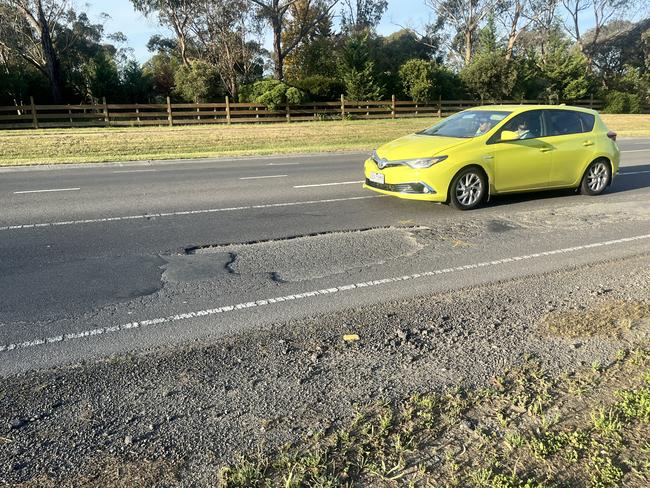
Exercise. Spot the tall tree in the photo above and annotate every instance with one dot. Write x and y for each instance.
(176, 14)
(465, 17)
(29, 28)
(277, 14)
(359, 15)
(596, 14)
(226, 33)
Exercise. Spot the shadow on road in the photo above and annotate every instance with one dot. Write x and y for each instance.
(639, 177)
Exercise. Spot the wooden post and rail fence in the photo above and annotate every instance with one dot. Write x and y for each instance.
(104, 114)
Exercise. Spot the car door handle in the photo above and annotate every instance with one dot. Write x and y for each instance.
(487, 158)
(588, 143)
(546, 149)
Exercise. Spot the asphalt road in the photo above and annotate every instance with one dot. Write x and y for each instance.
(104, 259)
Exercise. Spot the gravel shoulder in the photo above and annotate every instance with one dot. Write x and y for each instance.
(177, 416)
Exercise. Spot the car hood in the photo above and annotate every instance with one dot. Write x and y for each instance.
(418, 146)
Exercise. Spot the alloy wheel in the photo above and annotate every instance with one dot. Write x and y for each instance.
(468, 189)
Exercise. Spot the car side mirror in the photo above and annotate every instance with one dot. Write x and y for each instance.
(508, 135)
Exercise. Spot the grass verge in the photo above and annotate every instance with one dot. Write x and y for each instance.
(528, 429)
(52, 146)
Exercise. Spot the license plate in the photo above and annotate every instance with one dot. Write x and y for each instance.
(377, 177)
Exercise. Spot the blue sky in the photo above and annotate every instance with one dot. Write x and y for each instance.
(139, 29)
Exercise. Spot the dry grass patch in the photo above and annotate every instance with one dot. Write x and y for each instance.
(608, 319)
(111, 472)
(51, 146)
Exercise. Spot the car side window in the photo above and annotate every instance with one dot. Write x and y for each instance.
(564, 122)
(527, 125)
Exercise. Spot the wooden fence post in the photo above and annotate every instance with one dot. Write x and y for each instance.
(591, 101)
(34, 117)
(342, 107)
(107, 121)
(439, 106)
(170, 118)
(227, 110)
(392, 107)
(288, 109)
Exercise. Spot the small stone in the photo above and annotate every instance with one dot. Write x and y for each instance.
(17, 423)
(402, 334)
(128, 440)
(351, 338)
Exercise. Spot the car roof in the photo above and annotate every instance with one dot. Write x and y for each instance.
(524, 108)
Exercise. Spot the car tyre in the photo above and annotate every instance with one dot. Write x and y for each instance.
(468, 189)
(597, 178)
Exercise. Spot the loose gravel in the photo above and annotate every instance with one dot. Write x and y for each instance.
(188, 411)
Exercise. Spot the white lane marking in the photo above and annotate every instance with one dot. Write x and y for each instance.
(185, 212)
(636, 150)
(262, 177)
(282, 164)
(633, 173)
(22, 192)
(300, 296)
(134, 171)
(329, 184)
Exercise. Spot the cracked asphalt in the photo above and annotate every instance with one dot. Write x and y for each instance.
(184, 314)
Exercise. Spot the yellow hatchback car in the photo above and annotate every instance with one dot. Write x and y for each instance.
(493, 150)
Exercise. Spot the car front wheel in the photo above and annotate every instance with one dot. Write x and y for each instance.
(468, 189)
(597, 177)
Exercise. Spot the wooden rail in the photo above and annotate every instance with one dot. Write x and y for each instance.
(34, 116)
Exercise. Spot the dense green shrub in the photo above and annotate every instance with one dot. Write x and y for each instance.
(272, 94)
(321, 87)
(197, 82)
(490, 76)
(617, 102)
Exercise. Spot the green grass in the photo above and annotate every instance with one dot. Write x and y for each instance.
(50, 146)
(529, 429)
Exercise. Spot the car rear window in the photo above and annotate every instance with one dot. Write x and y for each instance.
(562, 122)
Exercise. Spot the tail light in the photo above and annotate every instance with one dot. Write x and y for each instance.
(612, 135)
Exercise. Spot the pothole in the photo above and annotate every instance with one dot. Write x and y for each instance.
(305, 257)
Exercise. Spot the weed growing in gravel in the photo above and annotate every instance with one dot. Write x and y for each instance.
(528, 430)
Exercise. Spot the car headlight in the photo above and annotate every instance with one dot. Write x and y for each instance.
(424, 162)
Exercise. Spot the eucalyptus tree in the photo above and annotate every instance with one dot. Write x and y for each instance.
(175, 14)
(359, 15)
(465, 17)
(277, 14)
(227, 34)
(31, 30)
(592, 15)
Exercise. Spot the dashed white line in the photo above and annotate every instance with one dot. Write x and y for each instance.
(262, 177)
(184, 212)
(636, 150)
(45, 191)
(299, 296)
(633, 173)
(135, 171)
(282, 164)
(330, 184)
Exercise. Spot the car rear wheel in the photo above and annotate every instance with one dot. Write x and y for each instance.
(468, 189)
(597, 177)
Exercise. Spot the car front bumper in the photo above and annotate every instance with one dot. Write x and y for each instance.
(403, 182)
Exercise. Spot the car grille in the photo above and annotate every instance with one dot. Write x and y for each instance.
(413, 188)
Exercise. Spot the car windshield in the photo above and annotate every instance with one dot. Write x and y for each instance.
(470, 123)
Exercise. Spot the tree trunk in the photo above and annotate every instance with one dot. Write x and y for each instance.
(468, 46)
(52, 66)
(513, 34)
(277, 48)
